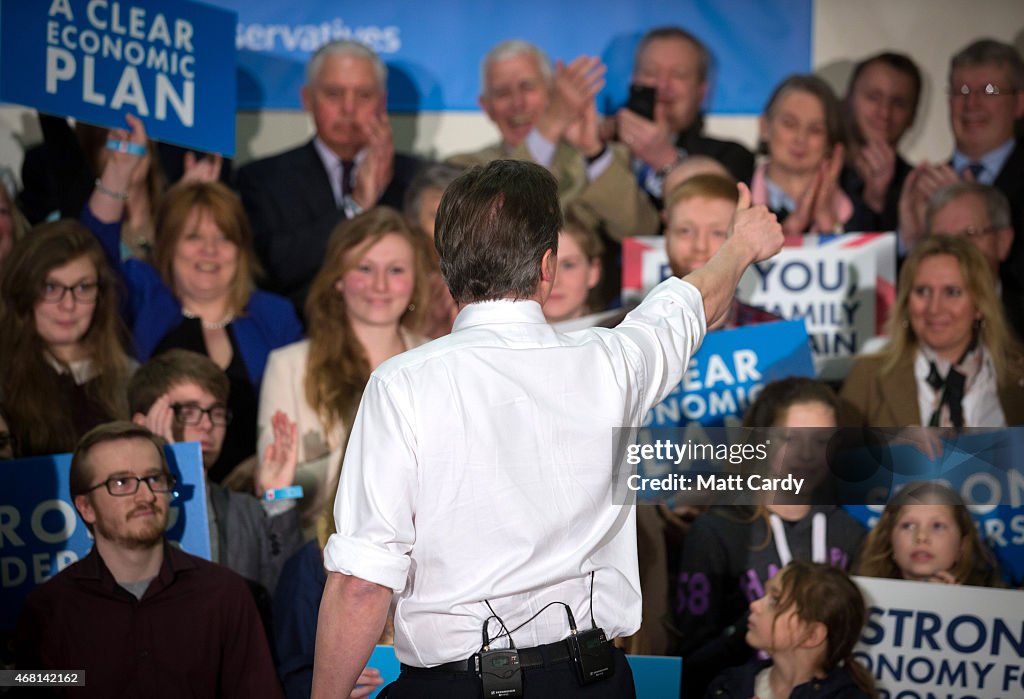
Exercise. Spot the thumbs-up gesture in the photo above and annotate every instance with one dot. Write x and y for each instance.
(754, 228)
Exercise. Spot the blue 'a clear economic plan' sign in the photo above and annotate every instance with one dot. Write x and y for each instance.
(170, 62)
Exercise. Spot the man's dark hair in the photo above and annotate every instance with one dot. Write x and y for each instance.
(81, 472)
(899, 62)
(494, 224)
(680, 34)
(171, 368)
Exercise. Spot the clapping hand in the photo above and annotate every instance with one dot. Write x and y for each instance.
(277, 467)
(376, 169)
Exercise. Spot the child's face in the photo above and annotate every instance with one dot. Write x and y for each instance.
(769, 630)
(926, 540)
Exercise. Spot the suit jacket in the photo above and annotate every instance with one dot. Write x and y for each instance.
(1010, 182)
(737, 160)
(872, 400)
(613, 203)
(292, 210)
(864, 218)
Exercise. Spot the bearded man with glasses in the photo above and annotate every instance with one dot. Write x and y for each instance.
(136, 616)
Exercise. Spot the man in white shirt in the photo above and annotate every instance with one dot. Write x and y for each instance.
(479, 476)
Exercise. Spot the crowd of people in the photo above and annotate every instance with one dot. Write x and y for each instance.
(150, 296)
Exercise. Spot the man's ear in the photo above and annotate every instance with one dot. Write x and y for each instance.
(306, 95)
(85, 509)
(1004, 241)
(485, 105)
(548, 265)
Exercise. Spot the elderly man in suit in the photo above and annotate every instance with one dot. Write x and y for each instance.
(294, 199)
(549, 116)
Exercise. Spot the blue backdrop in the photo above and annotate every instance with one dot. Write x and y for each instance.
(434, 50)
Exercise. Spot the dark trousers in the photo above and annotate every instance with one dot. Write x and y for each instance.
(554, 681)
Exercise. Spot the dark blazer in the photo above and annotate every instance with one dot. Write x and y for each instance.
(872, 400)
(292, 211)
(864, 219)
(737, 160)
(1010, 182)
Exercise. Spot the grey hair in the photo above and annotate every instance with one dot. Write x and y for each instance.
(346, 47)
(511, 48)
(990, 52)
(432, 176)
(997, 206)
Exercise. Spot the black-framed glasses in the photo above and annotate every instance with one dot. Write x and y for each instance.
(990, 90)
(192, 413)
(119, 486)
(83, 292)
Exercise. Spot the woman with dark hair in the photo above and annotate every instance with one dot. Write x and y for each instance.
(199, 294)
(364, 306)
(951, 360)
(63, 369)
(880, 105)
(802, 134)
(732, 551)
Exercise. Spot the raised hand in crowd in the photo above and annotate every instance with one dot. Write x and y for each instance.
(205, 168)
(875, 162)
(126, 150)
(584, 133)
(573, 90)
(825, 215)
(160, 419)
(922, 182)
(648, 140)
(376, 170)
(277, 467)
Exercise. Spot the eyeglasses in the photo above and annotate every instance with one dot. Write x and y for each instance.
(970, 231)
(192, 414)
(119, 486)
(990, 90)
(83, 292)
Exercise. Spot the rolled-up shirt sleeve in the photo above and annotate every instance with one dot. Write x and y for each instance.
(375, 506)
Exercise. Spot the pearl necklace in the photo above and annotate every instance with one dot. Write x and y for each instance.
(210, 325)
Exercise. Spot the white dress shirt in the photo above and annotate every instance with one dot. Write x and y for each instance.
(480, 467)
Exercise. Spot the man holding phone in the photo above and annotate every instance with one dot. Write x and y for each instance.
(661, 125)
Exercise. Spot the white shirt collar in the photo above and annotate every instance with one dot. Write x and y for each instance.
(499, 311)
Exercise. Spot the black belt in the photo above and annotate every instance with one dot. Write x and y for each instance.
(528, 657)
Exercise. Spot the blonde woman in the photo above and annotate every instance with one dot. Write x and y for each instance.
(364, 307)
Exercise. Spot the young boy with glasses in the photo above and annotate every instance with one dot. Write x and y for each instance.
(182, 396)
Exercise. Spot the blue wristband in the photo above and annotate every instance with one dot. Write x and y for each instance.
(126, 147)
(292, 492)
